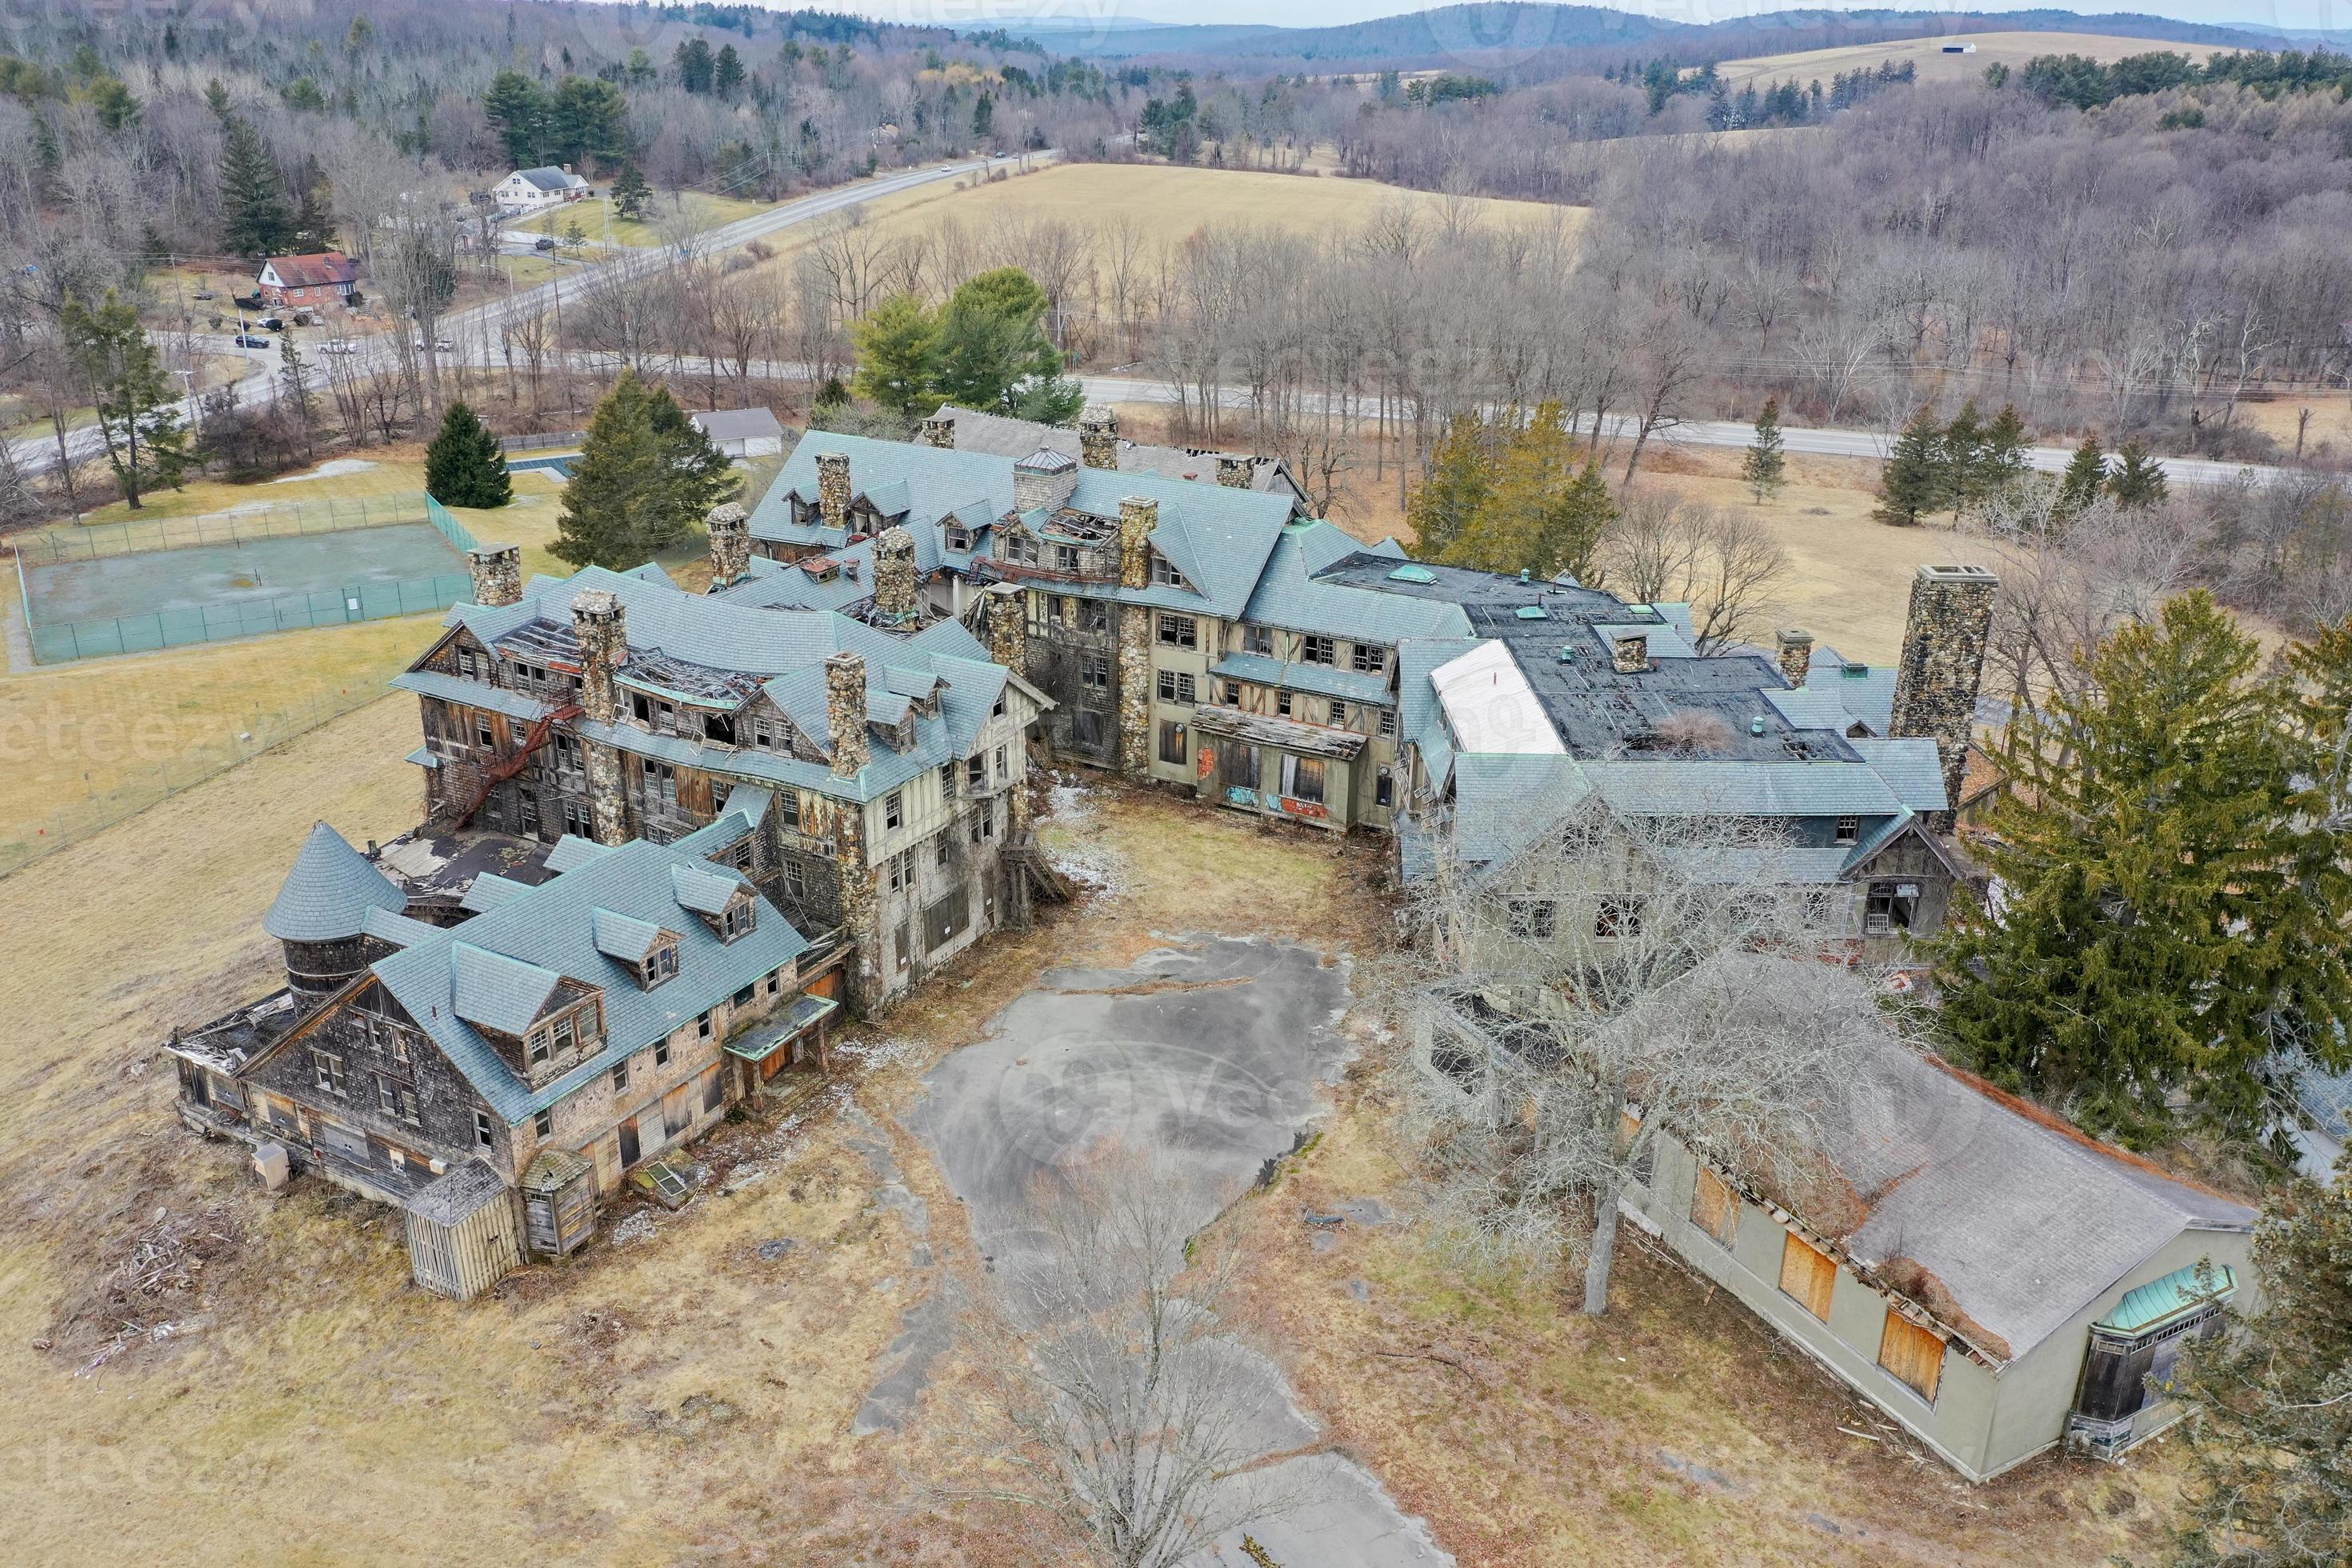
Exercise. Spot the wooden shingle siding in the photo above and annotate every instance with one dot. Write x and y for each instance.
(1808, 1275)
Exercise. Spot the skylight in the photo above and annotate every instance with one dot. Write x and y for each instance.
(1412, 575)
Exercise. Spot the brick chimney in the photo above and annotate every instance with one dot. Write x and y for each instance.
(1935, 684)
(1632, 653)
(833, 492)
(844, 714)
(938, 431)
(601, 623)
(497, 573)
(1236, 473)
(896, 597)
(1046, 480)
(1008, 625)
(1099, 437)
(1796, 655)
(730, 545)
(1138, 516)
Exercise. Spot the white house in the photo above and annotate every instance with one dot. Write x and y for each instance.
(536, 190)
(742, 432)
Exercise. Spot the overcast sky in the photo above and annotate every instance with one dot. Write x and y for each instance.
(2298, 14)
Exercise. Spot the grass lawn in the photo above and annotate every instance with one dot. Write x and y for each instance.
(2011, 49)
(666, 210)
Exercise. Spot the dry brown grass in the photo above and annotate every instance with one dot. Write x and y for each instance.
(2011, 49)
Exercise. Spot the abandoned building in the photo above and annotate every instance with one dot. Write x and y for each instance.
(1995, 1280)
(878, 758)
(496, 1078)
(1102, 447)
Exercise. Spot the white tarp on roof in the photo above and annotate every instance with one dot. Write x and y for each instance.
(1489, 706)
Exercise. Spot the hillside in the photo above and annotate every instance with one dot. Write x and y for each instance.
(1929, 58)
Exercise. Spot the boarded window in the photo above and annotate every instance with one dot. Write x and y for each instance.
(1715, 1207)
(1807, 1274)
(946, 920)
(1912, 1353)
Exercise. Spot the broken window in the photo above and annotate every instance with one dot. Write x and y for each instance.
(894, 810)
(327, 1070)
(1889, 909)
(1164, 573)
(577, 821)
(1619, 917)
(1258, 639)
(1172, 744)
(1179, 631)
(788, 810)
(959, 538)
(1534, 919)
(1318, 649)
(1282, 703)
(1849, 829)
(485, 1133)
(1175, 686)
(1388, 724)
(484, 736)
(1233, 696)
(1066, 558)
(720, 727)
(544, 1123)
(1094, 617)
(1302, 778)
(661, 1053)
(568, 758)
(1367, 658)
(661, 782)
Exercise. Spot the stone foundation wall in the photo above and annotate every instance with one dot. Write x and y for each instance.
(1944, 640)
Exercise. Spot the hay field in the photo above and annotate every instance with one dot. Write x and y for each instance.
(2012, 49)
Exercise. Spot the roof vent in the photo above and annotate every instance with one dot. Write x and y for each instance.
(1412, 575)
(1755, 725)
(1856, 671)
(1566, 654)
(1525, 576)
(1531, 612)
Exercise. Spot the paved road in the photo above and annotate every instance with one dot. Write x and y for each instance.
(476, 330)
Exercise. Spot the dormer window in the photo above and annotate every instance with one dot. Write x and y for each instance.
(720, 727)
(1164, 573)
(660, 964)
(741, 918)
(959, 538)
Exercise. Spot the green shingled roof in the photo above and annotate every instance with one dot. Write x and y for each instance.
(327, 894)
(2179, 1291)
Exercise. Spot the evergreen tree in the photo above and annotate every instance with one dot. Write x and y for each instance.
(631, 194)
(991, 348)
(1964, 440)
(695, 477)
(465, 466)
(255, 222)
(618, 476)
(2270, 1408)
(2002, 458)
(2138, 482)
(1913, 482)
(691, 60)
(894, 343)
(122, 376)
(314, 220)
(2084, 480)
(727, 72)
(983, 118)
(1545, 512)
(1763, 465)
(1454, 491)
(517, 111)
(294, 388)
(2155, 931)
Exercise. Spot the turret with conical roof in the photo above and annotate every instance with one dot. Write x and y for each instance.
(322, 910)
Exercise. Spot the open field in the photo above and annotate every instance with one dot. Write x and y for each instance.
(681, 1397)
(2011, 49)
(693, 210)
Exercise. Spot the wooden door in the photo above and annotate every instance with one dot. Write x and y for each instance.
(629, 1142)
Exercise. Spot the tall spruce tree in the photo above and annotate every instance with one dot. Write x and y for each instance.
(2000, 461)
(2138, 482)
(631, 194)
(2270, 1427)
(138, 411)
(2084, 480)
(255, 219)
(1545, 511)
(465, 466)
(619, 475)
(1764, 466)
(695, 477)
(1913, 482)
(2153, 929)
(1964, 440)
(1453, 493)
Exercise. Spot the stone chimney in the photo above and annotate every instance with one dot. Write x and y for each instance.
(1796, 655)
(833, 492)
(497, 573)
(1236, 473)
(602, 624)
(1138, 516)
(938, 431)
(1099, 437)
(1008, 625)
(844, 714)
(730, 545)
(1045, 478)
(1935, 684)
(1632, 653)
(896, 597)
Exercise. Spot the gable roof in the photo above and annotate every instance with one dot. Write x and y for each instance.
(329, 891)
(549, 177)
(318, 270)
(498, 970)
(1001, 436)
(737, 424)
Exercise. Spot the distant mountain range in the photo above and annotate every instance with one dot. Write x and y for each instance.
(1494, 28)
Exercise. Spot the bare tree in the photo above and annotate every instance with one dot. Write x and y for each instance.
(1719, 561)
(1111, 1407)
(1620, 978)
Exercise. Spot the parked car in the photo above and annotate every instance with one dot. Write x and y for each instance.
(544, 242)
(338, 346)
(274, 323)
(251, 340)
(440, 345)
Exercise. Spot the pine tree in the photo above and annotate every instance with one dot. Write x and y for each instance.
(2271, 1408)
(2084, 480)
(2152, 934)
(983, 118)
(2001, 459)
(727, 72)
(518, 110)
(1764, 466)
(2138, 482)
(695, 477)
(619, 473)
(1964, 440)
(1913, 482)
(465, 466)
(255, 222)
(1545, 512)
(631, 194)
(1454, 491)
(138, 409)
(895, 343)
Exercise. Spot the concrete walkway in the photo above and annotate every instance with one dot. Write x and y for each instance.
(1214, 1055)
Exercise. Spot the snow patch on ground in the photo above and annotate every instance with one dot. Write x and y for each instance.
(638, 1227)
(1072, 817)
(335, 469)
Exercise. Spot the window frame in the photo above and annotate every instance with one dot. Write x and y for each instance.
(1820, 1272)
(1728, 1206)
(1898, 1326)
(1173, 630)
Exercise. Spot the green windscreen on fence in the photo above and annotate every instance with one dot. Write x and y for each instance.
(219, 623)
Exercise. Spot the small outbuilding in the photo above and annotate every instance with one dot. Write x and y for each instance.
(742, 432)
